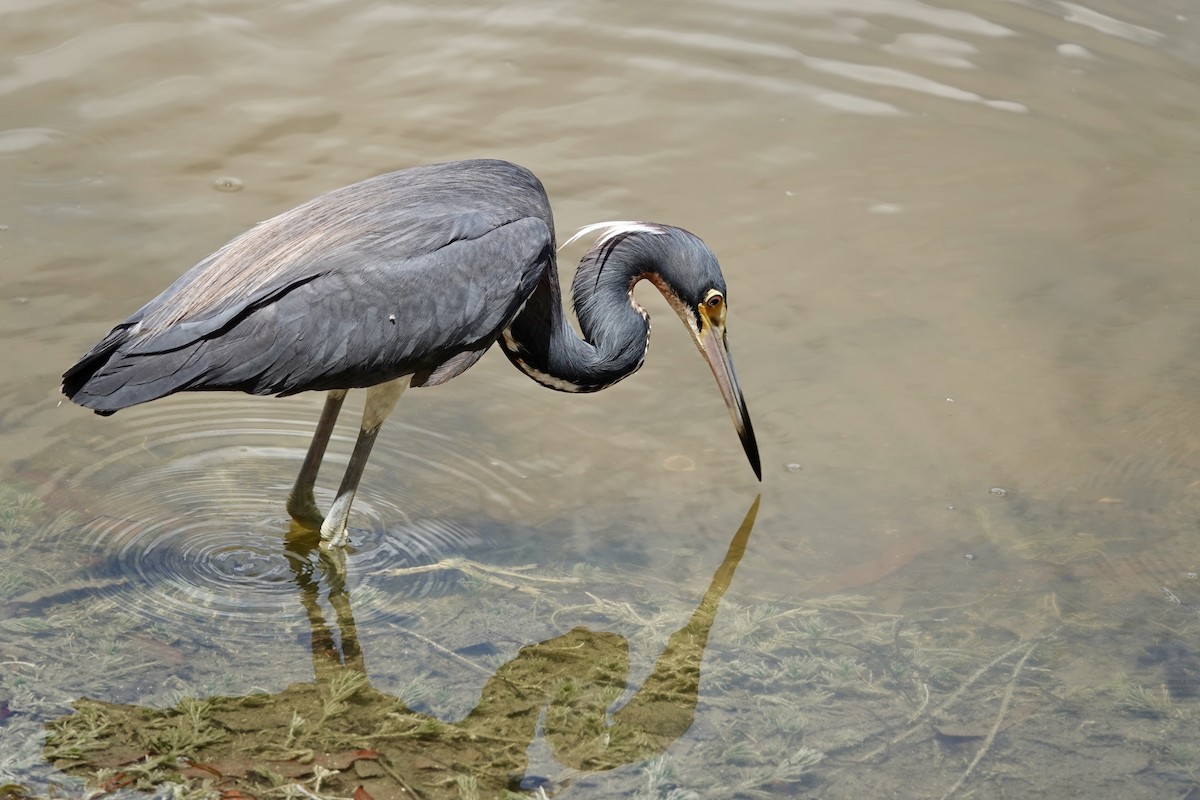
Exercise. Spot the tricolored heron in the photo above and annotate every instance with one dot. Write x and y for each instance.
(406, 279)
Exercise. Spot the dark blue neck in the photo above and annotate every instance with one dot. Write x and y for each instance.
(541, 342)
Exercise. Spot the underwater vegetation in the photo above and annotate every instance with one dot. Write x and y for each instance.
(741, 695)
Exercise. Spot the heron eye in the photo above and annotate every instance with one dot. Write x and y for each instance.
(714, 301)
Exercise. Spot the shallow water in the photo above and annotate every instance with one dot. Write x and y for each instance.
(960, 246)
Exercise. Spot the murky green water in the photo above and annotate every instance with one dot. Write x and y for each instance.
(960, 244)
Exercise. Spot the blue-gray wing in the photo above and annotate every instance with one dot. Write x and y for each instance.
(426, 300)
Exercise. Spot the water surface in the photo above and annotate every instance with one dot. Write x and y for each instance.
(960, 243)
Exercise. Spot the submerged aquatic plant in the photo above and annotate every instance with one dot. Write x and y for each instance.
(1144, 702)
(661, 783)
(18, 513)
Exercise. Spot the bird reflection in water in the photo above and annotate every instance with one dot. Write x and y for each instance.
(339, 735)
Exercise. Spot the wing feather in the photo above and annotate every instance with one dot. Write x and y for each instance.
(351, 315)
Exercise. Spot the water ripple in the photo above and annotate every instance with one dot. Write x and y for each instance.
(188, 525)
(1073, 12)
(900, 79)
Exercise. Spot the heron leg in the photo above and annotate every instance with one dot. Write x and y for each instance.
(381, 400)
(301, 504)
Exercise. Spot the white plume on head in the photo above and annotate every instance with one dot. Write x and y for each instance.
(608, 230)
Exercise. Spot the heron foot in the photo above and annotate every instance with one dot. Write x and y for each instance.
(304, 511)
(335, 529)
(332, 538)
(485, 573)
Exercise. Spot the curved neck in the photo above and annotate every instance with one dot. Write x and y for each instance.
(616, 330)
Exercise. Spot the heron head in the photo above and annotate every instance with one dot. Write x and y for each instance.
(689, 277)
(685, 270)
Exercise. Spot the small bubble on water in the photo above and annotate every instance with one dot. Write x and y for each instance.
(969, 556)
(227, 184)
(679, 463)
(1193, 575)
(998, 491)
(794, 467)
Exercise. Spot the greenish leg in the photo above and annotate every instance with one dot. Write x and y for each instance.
(381, 400)
(301, 504)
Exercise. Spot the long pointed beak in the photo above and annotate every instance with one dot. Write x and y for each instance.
(716, 353)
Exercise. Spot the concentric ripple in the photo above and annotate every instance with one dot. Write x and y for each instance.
(185, 521)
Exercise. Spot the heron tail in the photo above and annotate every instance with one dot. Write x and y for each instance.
(109, 377)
